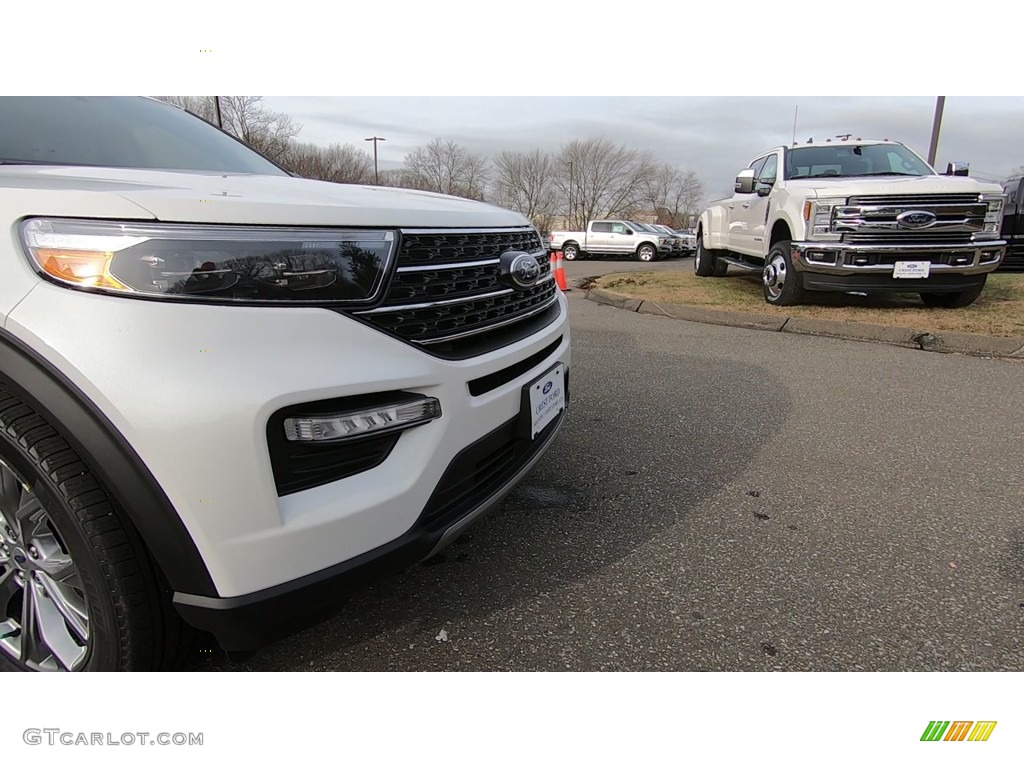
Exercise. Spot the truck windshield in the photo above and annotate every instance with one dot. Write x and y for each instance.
(854, 160)
(118, 132)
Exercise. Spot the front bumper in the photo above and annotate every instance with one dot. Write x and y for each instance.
(192, 388)
(250, 621)
(837, 258)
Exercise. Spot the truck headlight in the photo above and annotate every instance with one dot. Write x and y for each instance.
(993, 216)
(214, 264)
(819, 215)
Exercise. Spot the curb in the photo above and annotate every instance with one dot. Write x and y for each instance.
(931, 341)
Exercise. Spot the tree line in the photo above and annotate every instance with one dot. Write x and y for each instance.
(586, 179)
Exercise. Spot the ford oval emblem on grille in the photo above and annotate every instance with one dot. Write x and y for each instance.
(916, 219)
(519, 269)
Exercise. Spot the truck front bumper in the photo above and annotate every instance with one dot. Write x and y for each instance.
(838, 266)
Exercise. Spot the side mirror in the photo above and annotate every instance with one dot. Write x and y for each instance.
(763, 190)
(745, 182)
(958, 169)
(629, 231)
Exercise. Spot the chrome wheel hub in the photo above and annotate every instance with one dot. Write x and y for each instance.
(44, 618)
(774, 275)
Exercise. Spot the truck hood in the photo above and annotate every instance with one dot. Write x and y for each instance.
(894, 185)
(220, 198)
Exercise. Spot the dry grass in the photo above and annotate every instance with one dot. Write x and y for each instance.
(998, 312)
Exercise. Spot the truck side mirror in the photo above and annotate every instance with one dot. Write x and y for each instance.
(958, 169)
(629, 231)
(763, 189)
(745, 182)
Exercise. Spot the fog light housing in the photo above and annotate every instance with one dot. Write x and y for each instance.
(821, 257)
(365, 422)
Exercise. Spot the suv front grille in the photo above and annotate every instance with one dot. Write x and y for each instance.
(447, 295)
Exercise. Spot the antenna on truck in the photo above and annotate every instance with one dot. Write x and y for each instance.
(796, 111)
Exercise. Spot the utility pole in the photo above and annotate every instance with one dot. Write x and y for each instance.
(216, 108)
(376, 174)
(940, 103)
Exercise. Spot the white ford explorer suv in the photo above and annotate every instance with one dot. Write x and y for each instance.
(228, 394)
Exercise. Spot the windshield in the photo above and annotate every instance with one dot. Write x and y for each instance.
(641, 227)
(854, 160)
(118, 132)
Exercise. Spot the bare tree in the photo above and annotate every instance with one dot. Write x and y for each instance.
(448, 168)
(672, 194)
(525, 182)
(201, 106)
(266, 131)
(599, 179)
(342, 163)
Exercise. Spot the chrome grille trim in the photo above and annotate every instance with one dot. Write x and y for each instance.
(461, 265)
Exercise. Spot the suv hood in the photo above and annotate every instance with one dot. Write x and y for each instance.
(894, 185)
(220, 198)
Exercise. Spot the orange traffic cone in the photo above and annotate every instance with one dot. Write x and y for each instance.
(559, 270)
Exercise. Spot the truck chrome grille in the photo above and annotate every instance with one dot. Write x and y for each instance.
(447, 295)
(915, 201)
(879, 219)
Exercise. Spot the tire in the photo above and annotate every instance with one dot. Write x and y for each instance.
(706, 263)
(953, 300)
(782, 285)
(647, 252)
(570, 252)
(70, 566)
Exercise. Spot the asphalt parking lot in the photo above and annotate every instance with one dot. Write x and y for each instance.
(726, 499)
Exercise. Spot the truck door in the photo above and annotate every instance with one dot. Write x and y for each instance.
(740, 238)
(620, 240)
(757, 213)
(599, 237)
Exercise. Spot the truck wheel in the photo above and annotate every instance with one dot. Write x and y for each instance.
(646, 252)
(706, 263)
(782, 285)
(570, 252)
(953, 300)
(75, 592)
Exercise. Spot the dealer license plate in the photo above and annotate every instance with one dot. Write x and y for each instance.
(547, 399)
(911, 269)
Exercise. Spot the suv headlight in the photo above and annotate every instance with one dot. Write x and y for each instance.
(818, 214)
(993, 216)
(209, 263)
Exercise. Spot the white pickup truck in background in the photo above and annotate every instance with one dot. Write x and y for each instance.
(855, 216)
(608, 237)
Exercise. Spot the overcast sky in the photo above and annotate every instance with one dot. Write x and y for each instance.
(714, 136)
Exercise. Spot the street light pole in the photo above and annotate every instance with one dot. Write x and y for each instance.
(376, 174)
(940, 103)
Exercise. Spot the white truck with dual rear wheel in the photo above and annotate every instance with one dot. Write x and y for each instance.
(855, 216)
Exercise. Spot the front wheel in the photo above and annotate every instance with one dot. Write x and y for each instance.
(783, 287)
(76, 593)
(646, 253)
(954, 300)
(570, 252)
